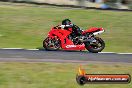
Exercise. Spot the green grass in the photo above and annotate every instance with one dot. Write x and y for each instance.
(27, 25)
(55, 75)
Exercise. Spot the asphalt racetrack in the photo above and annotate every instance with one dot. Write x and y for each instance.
(22, 55)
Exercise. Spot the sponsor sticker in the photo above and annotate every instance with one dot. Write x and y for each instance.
(70, 46)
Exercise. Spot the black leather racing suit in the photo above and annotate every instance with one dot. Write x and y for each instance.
(76, 31)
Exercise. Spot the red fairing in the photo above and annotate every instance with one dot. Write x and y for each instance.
(63, 36)
(66, 43)
(92, 30)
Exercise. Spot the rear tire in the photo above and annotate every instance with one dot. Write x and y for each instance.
(51, 44)
(95, 48)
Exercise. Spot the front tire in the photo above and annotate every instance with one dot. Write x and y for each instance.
(51, 44)
(97, 47)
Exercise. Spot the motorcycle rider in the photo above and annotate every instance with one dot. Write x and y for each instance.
(76, 31)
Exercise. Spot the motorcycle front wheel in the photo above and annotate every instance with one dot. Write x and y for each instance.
(51, 44)
(96, 47)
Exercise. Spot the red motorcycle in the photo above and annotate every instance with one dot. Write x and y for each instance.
(59, 38)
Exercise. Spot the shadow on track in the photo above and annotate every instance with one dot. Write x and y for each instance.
(42, 49)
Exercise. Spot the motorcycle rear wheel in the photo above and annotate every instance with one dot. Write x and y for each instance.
(51, 44)
(95, 48)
